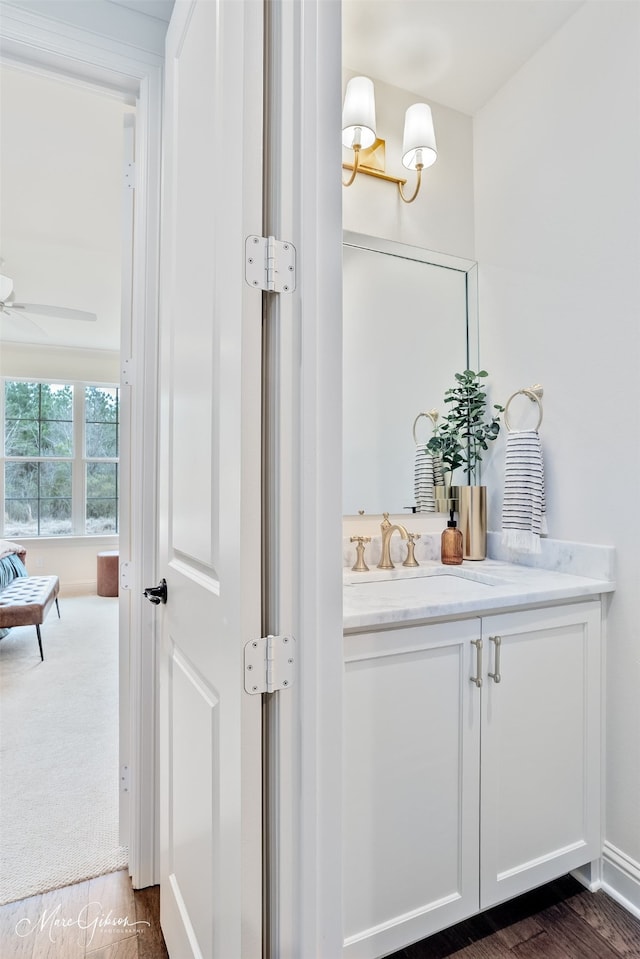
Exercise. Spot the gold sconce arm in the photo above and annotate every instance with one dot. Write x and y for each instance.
(356, 161)
(411, 198)
(371, 160)
(375, 173)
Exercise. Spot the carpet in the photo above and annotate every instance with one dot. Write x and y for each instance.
(59, 750)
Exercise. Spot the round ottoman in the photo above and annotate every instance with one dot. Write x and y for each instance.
(108, 563)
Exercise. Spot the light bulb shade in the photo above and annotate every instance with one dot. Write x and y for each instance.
(359, 113)
(419, 142)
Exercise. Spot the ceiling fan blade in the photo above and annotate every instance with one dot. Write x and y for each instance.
(6, 287)
(22, 322)
(55, 312)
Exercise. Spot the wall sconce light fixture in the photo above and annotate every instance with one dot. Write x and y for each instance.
(359, 134)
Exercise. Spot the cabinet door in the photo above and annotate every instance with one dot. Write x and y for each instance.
(411, 781)
(540, 792)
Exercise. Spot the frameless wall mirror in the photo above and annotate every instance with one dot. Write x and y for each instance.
(410, 319)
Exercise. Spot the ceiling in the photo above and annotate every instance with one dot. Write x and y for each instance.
(61, 144)
(455, 52)
(159, 9)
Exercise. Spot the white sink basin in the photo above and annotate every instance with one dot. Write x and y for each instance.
(449, 585)
(408, 575)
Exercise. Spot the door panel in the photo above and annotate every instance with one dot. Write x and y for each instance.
(411, 782)
(195, 792)
(209, 544)
(194, 341)
(540, 748)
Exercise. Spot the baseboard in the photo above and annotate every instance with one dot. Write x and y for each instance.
(621, 878)
(590, 875)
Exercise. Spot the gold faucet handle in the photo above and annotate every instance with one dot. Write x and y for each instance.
(411, 559)
(360, 566)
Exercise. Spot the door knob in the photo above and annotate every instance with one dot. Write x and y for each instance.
(157, 594)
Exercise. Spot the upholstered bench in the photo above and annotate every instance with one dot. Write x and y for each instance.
(27, 600)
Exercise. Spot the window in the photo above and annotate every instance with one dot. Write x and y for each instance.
(101, 443)
(61, 449)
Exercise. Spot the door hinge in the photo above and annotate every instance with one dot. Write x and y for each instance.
(269, 664)
(130, 175)
(126, 372)
(126, 575)
(124, 779)
(270, 264)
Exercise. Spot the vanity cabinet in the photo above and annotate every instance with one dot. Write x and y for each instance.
(456, 795)
(540, 729)
(411, 782)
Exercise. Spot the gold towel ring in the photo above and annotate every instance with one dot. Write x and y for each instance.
(535, 394)
(430, 415)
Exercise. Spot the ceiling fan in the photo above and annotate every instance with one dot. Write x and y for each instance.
(24, 310)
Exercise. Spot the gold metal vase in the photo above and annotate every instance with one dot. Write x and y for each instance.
(446, 498)
(472, 519)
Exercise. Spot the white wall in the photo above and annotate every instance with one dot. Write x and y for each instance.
(61, 206)
(557, 157)
(74, 561)
(57, 362)
(441, 217)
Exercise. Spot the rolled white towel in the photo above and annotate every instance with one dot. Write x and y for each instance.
(523, 506)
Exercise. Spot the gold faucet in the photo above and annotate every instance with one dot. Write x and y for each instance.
(360, 566)
(388, 529)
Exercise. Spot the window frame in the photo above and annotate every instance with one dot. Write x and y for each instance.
(102, 460)
(79, 459)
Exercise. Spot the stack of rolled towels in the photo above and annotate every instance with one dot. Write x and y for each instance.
(428, 473)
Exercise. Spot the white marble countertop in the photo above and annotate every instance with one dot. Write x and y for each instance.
(433, 591)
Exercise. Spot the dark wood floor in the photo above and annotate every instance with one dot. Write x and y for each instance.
(102, 918)
(561, 920)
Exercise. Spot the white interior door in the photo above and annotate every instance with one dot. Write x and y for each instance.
(210, 729)
(124, 529)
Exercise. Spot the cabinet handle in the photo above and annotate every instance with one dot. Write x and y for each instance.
(477, 679)
(495, 676)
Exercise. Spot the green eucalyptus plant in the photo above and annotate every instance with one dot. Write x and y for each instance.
(465, 432)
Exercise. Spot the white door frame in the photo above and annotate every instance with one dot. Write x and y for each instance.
(304, 595)
(64, 50)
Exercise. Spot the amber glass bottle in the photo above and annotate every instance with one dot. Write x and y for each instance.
(451, 548)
